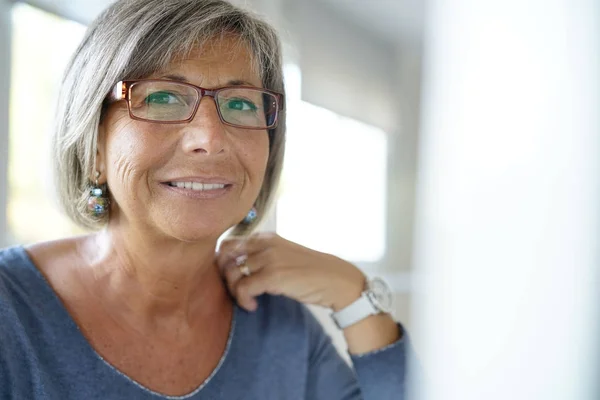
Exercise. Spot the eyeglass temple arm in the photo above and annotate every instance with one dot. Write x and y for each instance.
(281, 102)
(119, 92)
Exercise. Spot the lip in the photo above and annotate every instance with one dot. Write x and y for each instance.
(201, 179)
(197, 194)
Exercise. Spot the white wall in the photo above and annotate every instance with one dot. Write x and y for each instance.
(345, 68)
(508, 222)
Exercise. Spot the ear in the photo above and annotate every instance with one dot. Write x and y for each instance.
(100, 154)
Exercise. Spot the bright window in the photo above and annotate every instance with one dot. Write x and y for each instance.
(333, 194)
(39, 57)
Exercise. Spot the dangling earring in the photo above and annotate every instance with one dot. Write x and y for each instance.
(97, 202)
(251, 216)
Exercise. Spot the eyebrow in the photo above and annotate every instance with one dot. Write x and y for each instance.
(233, 82)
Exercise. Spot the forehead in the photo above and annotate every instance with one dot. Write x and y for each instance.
(215, 63)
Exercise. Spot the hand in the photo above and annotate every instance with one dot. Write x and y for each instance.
(280, 267)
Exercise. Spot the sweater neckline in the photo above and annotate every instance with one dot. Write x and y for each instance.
(82, 341)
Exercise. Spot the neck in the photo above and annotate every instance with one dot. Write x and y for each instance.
(156, 283)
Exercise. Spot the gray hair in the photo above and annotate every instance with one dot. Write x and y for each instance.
(133, 39)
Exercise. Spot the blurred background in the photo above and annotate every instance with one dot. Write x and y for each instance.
(454, 149)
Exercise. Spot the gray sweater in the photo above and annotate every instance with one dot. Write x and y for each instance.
(280, 351)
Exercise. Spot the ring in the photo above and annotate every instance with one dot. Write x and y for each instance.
(245, 270)
(240, 261)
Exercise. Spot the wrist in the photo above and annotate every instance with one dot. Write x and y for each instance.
(376, 299)
(350, 293)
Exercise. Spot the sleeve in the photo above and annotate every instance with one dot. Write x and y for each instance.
(4, 382)
(7, 346)
(15, 361)
(377, 375)
(382, 373)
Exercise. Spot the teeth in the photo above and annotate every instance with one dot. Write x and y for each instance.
(198, 186)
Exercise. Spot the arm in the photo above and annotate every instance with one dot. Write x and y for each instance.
(377, 346)
(329, 376)
(380, 365)
(377, 375)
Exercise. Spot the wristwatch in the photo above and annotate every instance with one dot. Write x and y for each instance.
(375, 299)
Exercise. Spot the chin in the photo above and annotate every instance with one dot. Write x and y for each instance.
(198, 230)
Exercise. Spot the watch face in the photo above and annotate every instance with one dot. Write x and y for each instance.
(380, 294)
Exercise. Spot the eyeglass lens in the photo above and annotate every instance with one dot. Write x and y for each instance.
(172, 101)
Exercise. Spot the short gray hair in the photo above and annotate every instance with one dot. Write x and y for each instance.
(133, 39)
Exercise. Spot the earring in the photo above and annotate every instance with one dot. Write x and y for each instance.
(251, 216)
(97, 202)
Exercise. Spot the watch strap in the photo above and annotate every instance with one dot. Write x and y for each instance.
(357, 311)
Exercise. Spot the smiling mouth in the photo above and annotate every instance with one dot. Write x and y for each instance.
(197, 186)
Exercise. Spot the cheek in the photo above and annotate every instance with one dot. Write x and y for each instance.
(257, 156)
(129, 157)
(124, 168)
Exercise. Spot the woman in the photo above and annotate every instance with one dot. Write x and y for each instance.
(171, 129)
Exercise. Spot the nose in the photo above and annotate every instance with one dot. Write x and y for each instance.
(205, 133)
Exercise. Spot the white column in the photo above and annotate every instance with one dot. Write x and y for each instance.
(508, 241)
(402, 158)
(5, 46)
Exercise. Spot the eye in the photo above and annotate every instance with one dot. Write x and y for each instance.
(240, 105)
(162, 98)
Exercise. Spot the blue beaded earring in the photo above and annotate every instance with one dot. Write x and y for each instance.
(97, 202)
(251, 216)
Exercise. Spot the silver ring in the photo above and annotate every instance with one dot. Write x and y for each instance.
(240, 261)
(245, 270)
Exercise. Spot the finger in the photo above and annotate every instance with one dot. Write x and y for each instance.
(266, 258)
(232, 260)
(263, 281)
(232, 247)
(230, 250)
(233, 273)
(255, 239)
(227, 251)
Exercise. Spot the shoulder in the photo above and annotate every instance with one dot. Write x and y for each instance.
(19, 280)
(22, 301)
(15, 266)
(282, 309)
(24, 287)
(23, 268)
(11, 256)
(53, 254)
(17, 283)
(27, 300)
(287, 329)
(289, 319)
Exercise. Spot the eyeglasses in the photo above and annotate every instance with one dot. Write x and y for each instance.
(170, 102)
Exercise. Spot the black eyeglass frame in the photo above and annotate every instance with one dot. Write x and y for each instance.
(122, 91)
